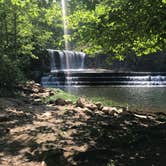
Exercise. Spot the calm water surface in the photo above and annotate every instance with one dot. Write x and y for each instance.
(142, 98)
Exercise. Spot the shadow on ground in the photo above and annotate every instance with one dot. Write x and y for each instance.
(33, 133)
(123, 140)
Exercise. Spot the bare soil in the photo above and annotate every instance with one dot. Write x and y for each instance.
(63, 133)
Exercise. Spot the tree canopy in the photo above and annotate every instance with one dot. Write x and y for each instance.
(26, 25)
(119, 26)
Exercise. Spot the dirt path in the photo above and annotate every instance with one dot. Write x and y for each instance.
(62, 133)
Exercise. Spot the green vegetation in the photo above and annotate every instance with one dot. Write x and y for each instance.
(117, 27)
(26, 29)
(9, 72)
(113, 27)
(61, 94)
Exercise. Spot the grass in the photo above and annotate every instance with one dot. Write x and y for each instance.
(61, 94)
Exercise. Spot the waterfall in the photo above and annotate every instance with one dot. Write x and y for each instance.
(91, 77)
(66, 60)
(52, 59)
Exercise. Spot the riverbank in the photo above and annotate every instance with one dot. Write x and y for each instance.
(41, 128)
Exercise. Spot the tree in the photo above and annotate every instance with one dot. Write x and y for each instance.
(118, 27)
(26, 28)
(29, 24)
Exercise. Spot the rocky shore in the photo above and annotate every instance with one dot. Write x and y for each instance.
(81, 133)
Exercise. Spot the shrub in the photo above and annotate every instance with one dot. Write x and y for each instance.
(10, 74)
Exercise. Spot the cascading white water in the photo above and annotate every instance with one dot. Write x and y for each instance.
(74, 60)
(52, 59)
(66, 60)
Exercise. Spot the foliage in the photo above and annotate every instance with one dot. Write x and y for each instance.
(26, 25)
(120, 27)
(26, 28)
(10, 74)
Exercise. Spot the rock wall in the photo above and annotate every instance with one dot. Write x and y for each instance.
(154, 62)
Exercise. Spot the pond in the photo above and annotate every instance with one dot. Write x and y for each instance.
(142, 98)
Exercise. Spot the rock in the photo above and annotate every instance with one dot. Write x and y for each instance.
(106, 109)
(31, 83)
(140, 116)
(99, 105)
(109, 110)
(60, 101)
(91, 106)
(112, 110)
(38, 100)
(44, 95)
(41, 90)
(83, 103)
(4, 131)
(35, 96)
(4, 117)
(51, 93)
(46, 115)
(119, 111)
(37, 84)
(43, 163)
(69, 102)
(35, 90)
